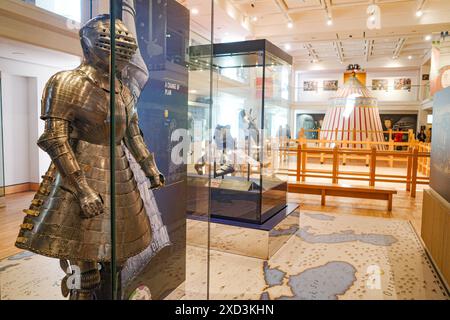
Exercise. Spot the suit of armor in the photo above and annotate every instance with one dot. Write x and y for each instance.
(69, 218)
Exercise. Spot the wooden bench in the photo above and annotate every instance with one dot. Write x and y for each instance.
(343, 190)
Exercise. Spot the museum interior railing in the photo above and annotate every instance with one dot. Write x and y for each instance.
(411, 154)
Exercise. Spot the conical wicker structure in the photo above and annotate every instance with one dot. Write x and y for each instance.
(354, 113)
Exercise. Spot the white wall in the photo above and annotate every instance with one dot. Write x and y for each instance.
(22, 87)
(393, 101)
(320, 95)
(15, 129)
(391, 95)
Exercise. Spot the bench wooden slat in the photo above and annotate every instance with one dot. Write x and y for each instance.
(330, 186)
(342, 190)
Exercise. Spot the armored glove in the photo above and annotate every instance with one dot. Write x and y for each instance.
(156, 178)
(90, 202)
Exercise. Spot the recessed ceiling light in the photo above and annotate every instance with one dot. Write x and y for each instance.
(290, 25)
(194, 11)
(427, 37)
(410, 57)
(419, 13)
(254, 19)
(329, 22)
(287, 47)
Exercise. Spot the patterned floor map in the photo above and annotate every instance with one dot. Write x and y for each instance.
(333, 257)
(330, 257)
(325, 282)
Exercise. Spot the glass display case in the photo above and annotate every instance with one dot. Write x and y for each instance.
(123, 91)
(249, 129)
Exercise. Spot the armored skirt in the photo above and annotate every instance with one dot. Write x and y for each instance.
(54, 225)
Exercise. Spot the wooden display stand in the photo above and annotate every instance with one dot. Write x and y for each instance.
(436, 230)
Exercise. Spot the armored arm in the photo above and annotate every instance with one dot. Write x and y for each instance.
(135, 143)
(59, 102)
(55, 141)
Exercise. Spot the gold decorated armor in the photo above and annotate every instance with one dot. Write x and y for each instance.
(69, 217)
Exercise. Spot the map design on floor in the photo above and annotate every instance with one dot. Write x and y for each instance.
(330, 257)
(384, 261)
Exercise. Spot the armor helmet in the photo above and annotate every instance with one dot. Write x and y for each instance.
(96, 42)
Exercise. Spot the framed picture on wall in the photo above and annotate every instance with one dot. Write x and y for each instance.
(380, 84)
(402, 84)
(398, 122)
(330, 85)
(402, 122)
(309, 85)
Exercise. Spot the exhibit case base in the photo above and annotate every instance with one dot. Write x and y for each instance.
(247, 239)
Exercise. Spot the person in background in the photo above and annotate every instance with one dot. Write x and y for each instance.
(421, 136)
(429, 135)
(398, 137)
(288, 132)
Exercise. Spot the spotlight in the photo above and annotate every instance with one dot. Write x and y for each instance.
(194, 11)
(287, 47)
(409, 57)
(329, 22)
(419, 13)
(254, 19)
(428, 37)
(290, 25)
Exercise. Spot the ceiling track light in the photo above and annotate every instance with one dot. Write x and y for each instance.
(398, 48)
(419, 11)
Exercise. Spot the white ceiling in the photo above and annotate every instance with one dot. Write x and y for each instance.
(20, 51)
(347, 40)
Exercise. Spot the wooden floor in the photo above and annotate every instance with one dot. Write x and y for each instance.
(404, 207)
(11, 217)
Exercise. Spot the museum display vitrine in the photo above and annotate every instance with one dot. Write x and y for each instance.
(106, 229)
(249, 129)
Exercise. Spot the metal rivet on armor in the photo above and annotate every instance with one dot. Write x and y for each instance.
(49, 178)
(27, 226)
(37, 202)
(30, 212)
(21, 240)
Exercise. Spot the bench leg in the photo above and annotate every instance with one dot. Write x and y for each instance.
(322, 202)
(390, 202)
